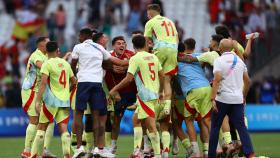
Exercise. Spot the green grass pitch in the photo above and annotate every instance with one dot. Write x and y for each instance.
(266, 144)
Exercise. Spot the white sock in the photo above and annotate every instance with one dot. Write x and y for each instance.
(114, 142)
(195, 147)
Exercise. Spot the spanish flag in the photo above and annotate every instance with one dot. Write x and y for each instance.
(21, 30)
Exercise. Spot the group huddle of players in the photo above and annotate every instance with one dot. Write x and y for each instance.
(162, 80)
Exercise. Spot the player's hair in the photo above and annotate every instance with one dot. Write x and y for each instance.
(139, 41)
(41, 39)
(51, 46)
(181, 47)
(137, 32)
(154, 7)
(217, 38)
(222, 30)
(96, 37)
(115, 39)
(86, 32)
(190, 44)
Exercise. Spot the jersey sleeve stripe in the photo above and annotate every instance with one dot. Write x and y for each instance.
(140, 76)
(154, 33)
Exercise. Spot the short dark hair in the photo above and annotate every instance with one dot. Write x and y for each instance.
(154, 7)
(137, 32)
(222, 30)
(217, 38)
(139, 41)
(190, 43)
(115, 39)
(51, 46)
(86, 31)
(181, 47)
(41, 39)
(96, 37)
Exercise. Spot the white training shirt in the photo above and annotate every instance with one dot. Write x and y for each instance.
(231, 86)
(90, 56)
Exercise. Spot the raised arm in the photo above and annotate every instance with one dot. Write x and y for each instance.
(248, 48)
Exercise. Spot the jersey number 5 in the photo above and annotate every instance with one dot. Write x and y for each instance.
(165, 24)
(153, 74)
(62, 78)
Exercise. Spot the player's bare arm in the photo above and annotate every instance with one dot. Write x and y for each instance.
(215, 87)
(74, 63)
(247, 82)
(39, 64)
(187, 59)
(248, 48)
(117, 61)
(41, 91)
(67, 55)
(109, 66)
(120, 69)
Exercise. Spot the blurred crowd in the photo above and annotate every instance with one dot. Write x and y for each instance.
(245, 16)
(32, 19)
(30, 22)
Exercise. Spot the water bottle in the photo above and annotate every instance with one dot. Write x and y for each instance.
(248, 36)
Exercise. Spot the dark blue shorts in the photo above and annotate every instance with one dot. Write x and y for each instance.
(127, 99)
(93, 94)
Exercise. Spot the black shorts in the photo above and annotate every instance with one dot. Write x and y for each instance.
(93, 94)
(127, 99)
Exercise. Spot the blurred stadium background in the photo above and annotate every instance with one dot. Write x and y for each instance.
(22, 21)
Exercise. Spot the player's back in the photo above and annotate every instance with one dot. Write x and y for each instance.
(191, 75)
(161, 29)
(145, 67)
(59, 72)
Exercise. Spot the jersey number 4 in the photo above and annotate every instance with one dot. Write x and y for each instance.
(167, 29)
(153, 74)
(62, 78)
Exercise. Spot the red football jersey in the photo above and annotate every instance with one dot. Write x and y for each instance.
(112, 78)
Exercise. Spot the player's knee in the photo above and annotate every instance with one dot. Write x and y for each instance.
(62, 127)
(189, 119)
(42, 126)
(34, 120)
